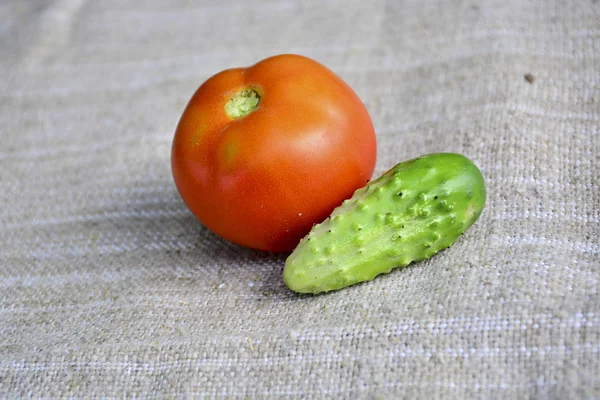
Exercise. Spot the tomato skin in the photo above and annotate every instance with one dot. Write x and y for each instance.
(264, 179)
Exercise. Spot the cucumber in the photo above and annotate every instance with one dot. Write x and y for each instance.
(410, 213)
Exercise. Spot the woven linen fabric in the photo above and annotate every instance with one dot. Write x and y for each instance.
(109, 287)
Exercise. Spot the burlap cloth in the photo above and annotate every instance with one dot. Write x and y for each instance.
(109, 287)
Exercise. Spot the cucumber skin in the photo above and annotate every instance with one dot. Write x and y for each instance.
(410, 213)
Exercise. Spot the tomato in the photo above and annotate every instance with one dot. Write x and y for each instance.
(262, 153)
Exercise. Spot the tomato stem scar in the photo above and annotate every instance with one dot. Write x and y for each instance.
(242, 103)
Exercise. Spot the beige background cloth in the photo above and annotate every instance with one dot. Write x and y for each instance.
(109, 287)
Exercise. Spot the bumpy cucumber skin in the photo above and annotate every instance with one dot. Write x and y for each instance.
(411, 212)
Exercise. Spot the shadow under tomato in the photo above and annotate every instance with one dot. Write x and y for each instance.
(161, 232)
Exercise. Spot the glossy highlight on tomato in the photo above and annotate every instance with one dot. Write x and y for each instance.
(262, 153)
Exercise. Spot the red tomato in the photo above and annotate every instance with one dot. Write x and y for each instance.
(262, 153)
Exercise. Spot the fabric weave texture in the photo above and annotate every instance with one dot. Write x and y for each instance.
(110, 288)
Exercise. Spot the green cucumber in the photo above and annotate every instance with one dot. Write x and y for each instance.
(411, 212)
